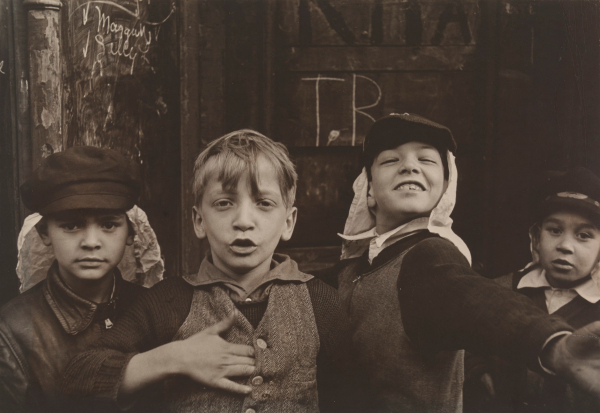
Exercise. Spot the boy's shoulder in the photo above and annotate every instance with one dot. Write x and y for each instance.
(435, 250)
(17, 316)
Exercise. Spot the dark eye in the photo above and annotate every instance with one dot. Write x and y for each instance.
(428, 160)
(223, 203)
(554, 230)
(70, 226)
(387, 161)
(585, 235)
(110, 225)
(265, 203)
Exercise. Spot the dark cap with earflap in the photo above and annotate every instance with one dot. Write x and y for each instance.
(396, 129)
(82, 177)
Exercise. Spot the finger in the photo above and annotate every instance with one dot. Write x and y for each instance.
(228, 385)
(241, 350)
(239, 370)
(233, 360)
(223, 325)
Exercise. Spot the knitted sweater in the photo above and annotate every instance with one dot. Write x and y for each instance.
(157, 316)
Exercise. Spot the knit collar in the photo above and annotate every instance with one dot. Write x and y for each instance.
(282, 268)
(536, 278)
(74, 313)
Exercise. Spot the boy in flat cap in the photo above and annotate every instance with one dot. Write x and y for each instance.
(560, 280)
(82, 194)
(408, 286)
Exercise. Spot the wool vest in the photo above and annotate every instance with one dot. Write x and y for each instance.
(286, 343)
(402, 378)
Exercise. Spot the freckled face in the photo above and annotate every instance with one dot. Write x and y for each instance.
(569, 247)
(407, 183)
(87, 244)
(243, 228)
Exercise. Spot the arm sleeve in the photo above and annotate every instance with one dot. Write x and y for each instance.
(13, 380)
(338, 379)
(150, 322)
(446, 306)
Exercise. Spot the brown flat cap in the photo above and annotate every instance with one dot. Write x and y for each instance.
(82, 177)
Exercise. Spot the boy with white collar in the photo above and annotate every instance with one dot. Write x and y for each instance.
(560, 280)
(412, 297)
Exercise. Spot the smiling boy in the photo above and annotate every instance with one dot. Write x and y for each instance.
(247, 332)
(82, 195)
(565, 242)
(413, 300)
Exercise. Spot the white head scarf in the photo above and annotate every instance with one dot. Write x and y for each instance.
(360, 219)
(141, 264)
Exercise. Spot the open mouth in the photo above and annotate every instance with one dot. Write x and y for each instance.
(410, 186)
(243, 246)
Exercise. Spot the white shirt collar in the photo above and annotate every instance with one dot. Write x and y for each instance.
(537, 279)
(379, 242)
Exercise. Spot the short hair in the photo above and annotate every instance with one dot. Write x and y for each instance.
(230, 156)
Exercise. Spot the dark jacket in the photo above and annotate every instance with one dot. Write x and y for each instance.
(518, 389)
(41, 330)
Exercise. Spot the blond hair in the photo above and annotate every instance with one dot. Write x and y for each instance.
(230, 156)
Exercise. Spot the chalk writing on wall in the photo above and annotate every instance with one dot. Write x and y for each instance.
(1, 65)
(335, 134)
(112, 38)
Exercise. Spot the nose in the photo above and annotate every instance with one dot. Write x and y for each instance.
(91, 239)
(565, 245)
(409, 165)
(244, 218)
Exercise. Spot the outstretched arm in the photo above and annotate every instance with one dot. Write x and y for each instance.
(138, 351)
(205, 357)
(446, 305)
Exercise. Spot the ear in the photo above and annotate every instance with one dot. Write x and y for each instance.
(534, 236)
(198, 226)
(290, 223)
(129, 240)
(42, 230)
(371, 202)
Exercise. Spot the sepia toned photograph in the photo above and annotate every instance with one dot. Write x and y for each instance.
(281, 206)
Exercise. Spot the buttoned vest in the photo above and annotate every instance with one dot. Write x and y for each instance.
(286, 343)
(402, 378)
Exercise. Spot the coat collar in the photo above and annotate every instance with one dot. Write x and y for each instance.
(73, 312)
(282, 268)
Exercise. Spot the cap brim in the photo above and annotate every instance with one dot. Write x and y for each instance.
(571, 204)
(88, 201)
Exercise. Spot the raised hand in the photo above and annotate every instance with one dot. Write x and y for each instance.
(576, 358)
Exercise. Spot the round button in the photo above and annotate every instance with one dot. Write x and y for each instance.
(257, 381)
(250, 411)
(261, 343)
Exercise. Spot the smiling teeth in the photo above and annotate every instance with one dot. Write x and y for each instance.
(411, 187)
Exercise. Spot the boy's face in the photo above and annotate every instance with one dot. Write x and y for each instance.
(407, 182)
(568, 246)
(87, 244)
(242, 228)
